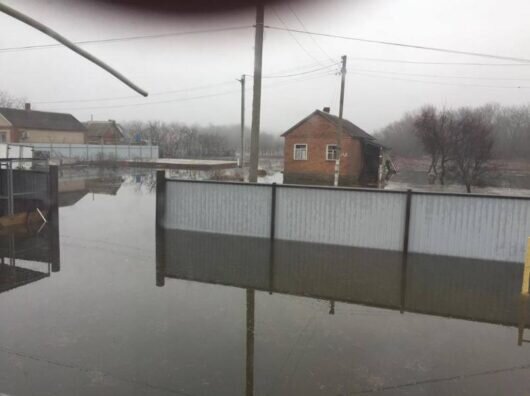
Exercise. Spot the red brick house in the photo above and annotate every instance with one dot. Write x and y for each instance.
(310, 153)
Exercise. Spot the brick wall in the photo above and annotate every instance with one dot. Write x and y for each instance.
(317, 133)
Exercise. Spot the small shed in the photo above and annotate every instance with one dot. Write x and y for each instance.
(310, 153)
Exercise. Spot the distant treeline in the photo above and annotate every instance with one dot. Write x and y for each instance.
(181, 140)
(510, 132)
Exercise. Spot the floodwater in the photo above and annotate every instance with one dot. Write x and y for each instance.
(107, 304)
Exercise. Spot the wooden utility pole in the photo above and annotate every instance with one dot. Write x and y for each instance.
(339, 127)
(242, 159)
(256, 100)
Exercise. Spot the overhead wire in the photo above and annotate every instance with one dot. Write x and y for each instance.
(397, 44)
(386, 60)
(443, 76)
(294, 37)
(312, 38)
(185, 99)
(367, 74)
(196, 88)
(127, 38)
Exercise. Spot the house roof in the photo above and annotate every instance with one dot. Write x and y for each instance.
(99, 128)
(347, 126)
(32, 119)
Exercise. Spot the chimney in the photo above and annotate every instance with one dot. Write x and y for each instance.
(27, 106)
(326, 109)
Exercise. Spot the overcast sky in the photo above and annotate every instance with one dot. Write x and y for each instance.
(208, 64)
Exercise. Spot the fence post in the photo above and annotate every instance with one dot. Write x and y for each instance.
(525, 288)
(160, 196)
(53, 216)
(160, 257)
(405, 252)
(273, 212)
(10, 192)
(129, 150)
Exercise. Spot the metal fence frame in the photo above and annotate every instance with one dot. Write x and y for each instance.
(44, 189)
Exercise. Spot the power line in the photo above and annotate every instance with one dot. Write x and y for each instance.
(396, 44)
(128, 38)
(196, 88)
(135, 97)
(437, 63)
(301, 73)
(312, 38)
(185, 99)
(436, 82)
(443, 76)
(294, 37)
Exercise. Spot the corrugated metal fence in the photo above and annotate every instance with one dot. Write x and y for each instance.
(96, 152)
(458, 225)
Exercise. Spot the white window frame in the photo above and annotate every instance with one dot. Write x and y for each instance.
(5, 135)
(306, 152)
(327, 152)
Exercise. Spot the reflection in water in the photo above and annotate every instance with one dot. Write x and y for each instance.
(28, 254)
(486, 291)
(72, 191)
(473, 290)
(523, 321)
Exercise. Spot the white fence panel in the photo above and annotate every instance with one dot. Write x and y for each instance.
(341, 217)
(473, 227)
(218, 208)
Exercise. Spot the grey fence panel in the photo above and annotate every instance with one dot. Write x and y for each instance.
(474, 227)
(341, 217)
(218, 208)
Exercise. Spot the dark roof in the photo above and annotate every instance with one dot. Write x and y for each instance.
(348, 127)
(99, 128)
(32, 119)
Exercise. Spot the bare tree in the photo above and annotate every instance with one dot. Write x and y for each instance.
(471, 145)
(7, 100)
(431, 128)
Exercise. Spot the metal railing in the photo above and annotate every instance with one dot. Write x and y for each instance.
(23, 178)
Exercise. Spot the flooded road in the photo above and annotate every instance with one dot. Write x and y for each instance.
(132, 310)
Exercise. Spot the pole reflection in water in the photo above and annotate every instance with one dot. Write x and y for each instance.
(523, 321)
(250, 343)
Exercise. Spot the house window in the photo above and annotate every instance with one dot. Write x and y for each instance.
(300, 152)
(3, 137)
(331, 152)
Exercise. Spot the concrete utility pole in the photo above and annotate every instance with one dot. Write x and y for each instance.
(242, 160)
(339, 127)
(256, 100)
